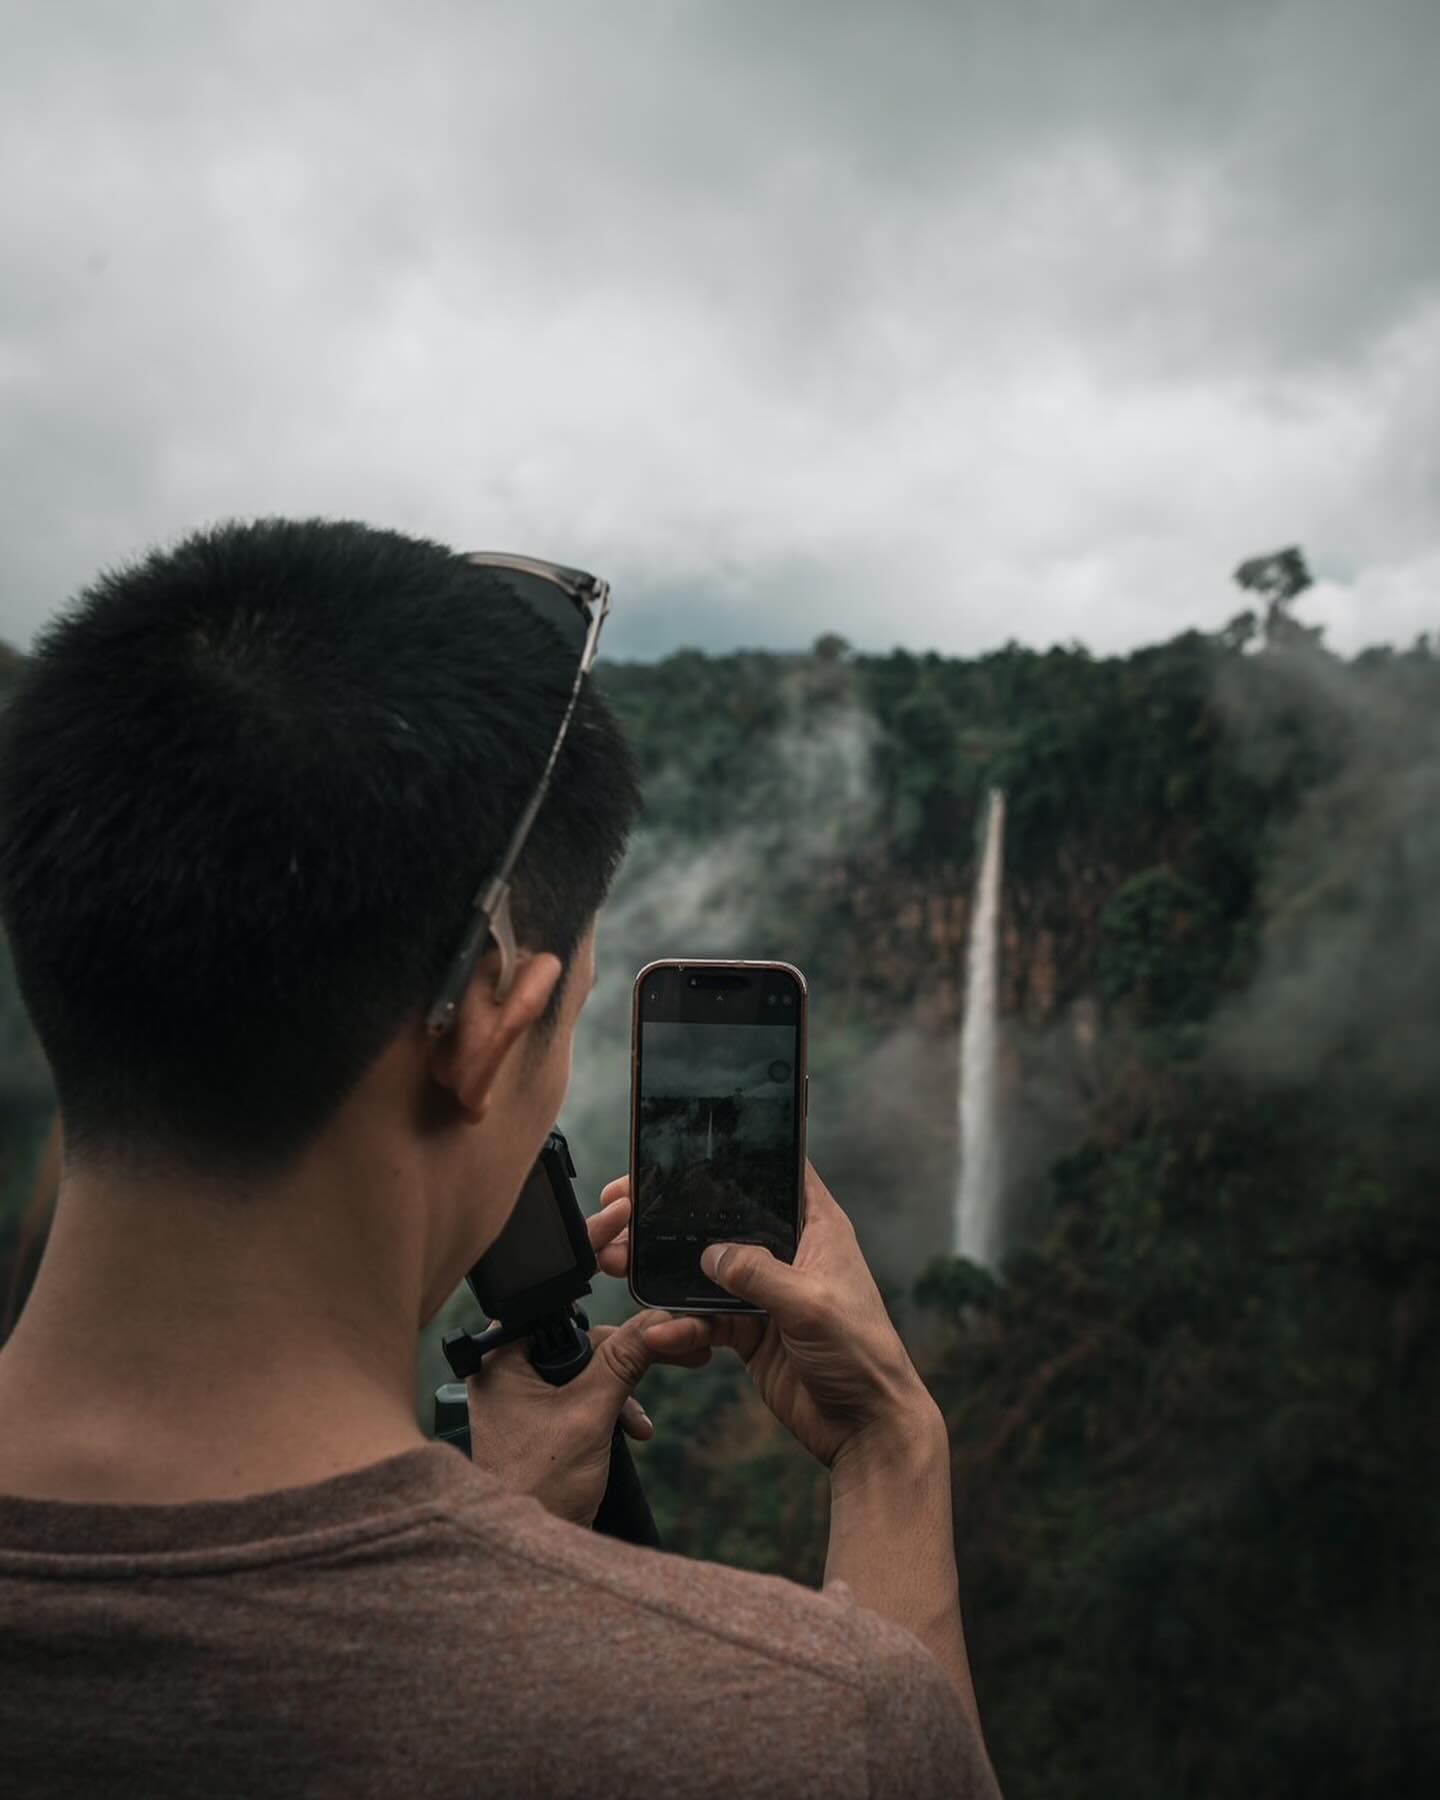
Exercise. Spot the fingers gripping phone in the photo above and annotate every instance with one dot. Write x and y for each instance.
(717, 1123)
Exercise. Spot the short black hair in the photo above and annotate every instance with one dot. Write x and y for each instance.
(249, 786)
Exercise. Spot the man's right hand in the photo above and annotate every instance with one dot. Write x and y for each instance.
(827, 1361)
(831, 1367)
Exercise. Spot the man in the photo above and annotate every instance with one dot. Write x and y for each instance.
(304, 923)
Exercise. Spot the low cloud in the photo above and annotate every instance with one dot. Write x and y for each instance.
(1349, 977)
(715, 896)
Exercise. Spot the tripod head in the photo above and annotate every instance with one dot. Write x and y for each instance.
(536, 1269)
(528, 1281)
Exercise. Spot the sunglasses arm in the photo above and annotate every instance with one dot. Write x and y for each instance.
(489, 918)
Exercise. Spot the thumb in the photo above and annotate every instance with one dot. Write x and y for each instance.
(750, 1272)
(622, 1356)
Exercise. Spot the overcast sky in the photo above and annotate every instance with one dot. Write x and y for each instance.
(934, 324)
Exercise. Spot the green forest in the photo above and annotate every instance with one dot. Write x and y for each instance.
(1193, 1410)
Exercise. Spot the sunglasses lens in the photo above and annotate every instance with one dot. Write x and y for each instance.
(564, 615)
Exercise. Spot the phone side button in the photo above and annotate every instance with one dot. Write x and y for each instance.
(805, 1105)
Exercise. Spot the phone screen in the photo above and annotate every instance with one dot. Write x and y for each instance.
(719, 1112)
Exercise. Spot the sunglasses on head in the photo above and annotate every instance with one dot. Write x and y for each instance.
(575, 605)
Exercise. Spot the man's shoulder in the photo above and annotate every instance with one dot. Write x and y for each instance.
(700, 1642)
(681, 1602)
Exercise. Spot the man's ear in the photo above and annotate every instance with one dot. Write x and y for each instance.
(467, 1060)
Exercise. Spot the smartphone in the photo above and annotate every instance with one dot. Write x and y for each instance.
(718, 1098)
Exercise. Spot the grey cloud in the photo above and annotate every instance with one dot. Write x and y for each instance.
(933, 323)
(716, 896)
(1349, 973)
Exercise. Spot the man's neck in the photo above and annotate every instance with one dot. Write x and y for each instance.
(172, 1352)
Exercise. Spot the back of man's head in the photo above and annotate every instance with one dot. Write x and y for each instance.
(248, 790)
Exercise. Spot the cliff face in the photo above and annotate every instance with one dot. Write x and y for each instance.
(908, 937)
(1051, 936)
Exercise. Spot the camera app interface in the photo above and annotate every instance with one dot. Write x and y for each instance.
(716, 1150)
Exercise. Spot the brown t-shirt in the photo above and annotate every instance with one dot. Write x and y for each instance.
(412, 1628)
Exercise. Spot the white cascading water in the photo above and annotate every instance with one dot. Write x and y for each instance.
(977, 1202)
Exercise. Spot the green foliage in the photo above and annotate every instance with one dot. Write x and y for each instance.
(1280, 578)
(1161, 945)
(953, 1284)
(1190, 1465)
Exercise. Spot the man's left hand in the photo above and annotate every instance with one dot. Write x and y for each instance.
(554, 1442)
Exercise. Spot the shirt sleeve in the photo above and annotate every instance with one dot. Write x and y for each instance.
(919, 1739)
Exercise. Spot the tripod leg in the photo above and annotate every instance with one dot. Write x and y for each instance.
(624, 1511)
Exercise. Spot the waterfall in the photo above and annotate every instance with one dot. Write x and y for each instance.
(977, 1204)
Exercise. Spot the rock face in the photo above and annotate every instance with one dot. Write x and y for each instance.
(888, 977)
(914, 939)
